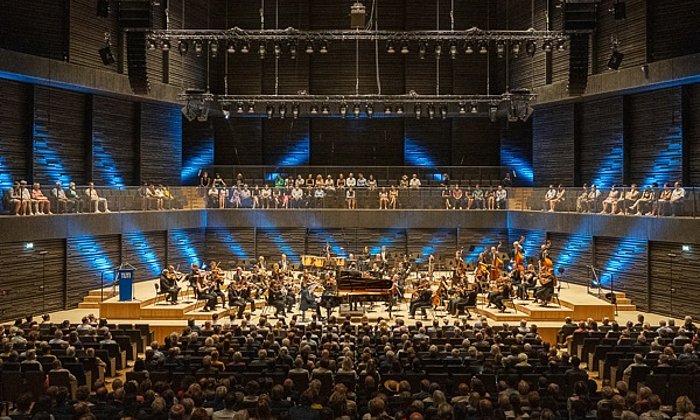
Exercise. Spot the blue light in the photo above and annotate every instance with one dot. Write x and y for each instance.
(5, 177)
(520, 163)
(234, 246)
(201, 158)
(99, 260)
(46, 158)
(143, 250)
(184, 245)
(609, 171)
(297, 153)
(416, 154)
(103, 158)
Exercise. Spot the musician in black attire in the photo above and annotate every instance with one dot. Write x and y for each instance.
(503, 292)
(423, 301)
(465, 299)
(308, 300)
(277, 300)
(204, 293)
(168, 284)
(245, 293)
(329, 299)
(235, 298)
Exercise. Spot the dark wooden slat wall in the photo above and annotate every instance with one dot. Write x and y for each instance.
(26, 272)
(393, 239)
(238, 141)
(189, 70)
(87, 34)
(355, 142)
(428, 142)
(224, 244)
(526, 71)
(553, 145)
(626, 261)
(115, 145)
(674, 28)
(271, 243)
(691, 131)
(573, 253)
(146, 251)
(35, 27)
(87, 257)
(531, 245)
(475, 142)
(160, 158)
(475, 241)
(601, 156)
(286, 141)
(516, 150)
(655, 136)
(185, 247)
(197, 149)
(674, 288)
(438, 242)
(630, 32)
(60, 136)
(559, 59)
(15, 130)
(343, 241)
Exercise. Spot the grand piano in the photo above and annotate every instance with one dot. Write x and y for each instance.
(354, 286)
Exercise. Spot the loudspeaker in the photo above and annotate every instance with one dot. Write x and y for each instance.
(578, 64)
(106, 55)
(136, 14)
(579, 15)
(615, 60)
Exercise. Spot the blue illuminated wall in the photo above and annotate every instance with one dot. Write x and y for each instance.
(516, 151)
(161, 155)
(573, 253)
(145, 251)
(114, 142)
(624, 264)
(185, 247)
(427, 142)
(287, 142)
(197, 150)
(15, 131)
(87, 259)
(601, 156)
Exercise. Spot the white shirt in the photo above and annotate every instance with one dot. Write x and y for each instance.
(678, 194)
(501, 195)
(551, 193)
(297, 193)
(92, 193)
(414, 183)
(350, 182)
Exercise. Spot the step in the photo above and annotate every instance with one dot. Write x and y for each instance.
(88, 305)
(625, 308)
(107, 293)
(93, 299)
(624, 301)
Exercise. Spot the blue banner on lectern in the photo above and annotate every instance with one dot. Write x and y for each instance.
(125, 279)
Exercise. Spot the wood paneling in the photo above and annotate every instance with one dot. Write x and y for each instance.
(475, 142)
(626, 261)
(61, 135)
(146, 252)
(343, 241)
(674, 285)
(654, 138)
(238, 141)
(161, 144)
(286, 141)
(197, 149)
(188, 71)
(553, 145)
(601, 157)
(438, 242)
(87, 34)
(26, 273)
(224, 244)
(691, 131)
(185, 247)
(526, 71)
(427, 142)
(15, 131)
(271, 243)
(516, 150)
(37, 27)
(475, 241)
(115, 142)
(356, 142)
(630, 33)
(87, 258)
(393, 239)
(573, 253)
(674, 28)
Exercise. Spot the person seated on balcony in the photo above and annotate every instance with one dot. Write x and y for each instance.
(255, 193)
(59, 197)
(245, 197)
(501, 198)
(40, 201)
(213, 195)
(403, 182)
(677, 199)
(297, 197)
(318, 182)
(371, 183)
(279, 182)
(340, 182)
(446, 197)
(18, 206)
(664, 203)
(478, 197)
(414, 183)
(643, 203)
(319, 195)
(593, 199)
(265, 197)
(490, 195)
(143, 193)
(610, 202)
(350, 181)
(457, 197)
(95, 200)
(350, 198)
(393, 197)
(560, 198)
(581, 199)
(468, 198)
(550, 195)
(74, 197)
(329, 184)
(383, 199)
(218, 182)
(361, 181)
(630, 197)
(159, 196)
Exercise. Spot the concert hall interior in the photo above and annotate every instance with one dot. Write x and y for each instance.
(372, 209)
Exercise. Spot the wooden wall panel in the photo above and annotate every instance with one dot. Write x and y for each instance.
(438, 242)
(197, 149)
(185, 247)
(626, 261)
(393, 239)
(87, 34)
(238, 141)
(87, 257)
(224, 244)
(115, 142)
(286, 141)
(146, 251)
(553, 145)
(26, 273)
(61, 150)
(188, 71)
(356, 142)
(15, 131)
(475, 241)
(531, 245)
(272, 243)
(655, 136)
(526, 71)
(674, 28)
(602, 137)
(342, 241)
(161, 143)
(35, 27)
(573, 253)
(631, 34)
(427, 142)
(691, 131)
(475, 142)
(674, 285)
(516, 150)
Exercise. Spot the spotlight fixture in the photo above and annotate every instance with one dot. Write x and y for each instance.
(183, 46)
(213, 48)
(547, 46)
(438, 51)
(356, 110)
(262, 50)
(239, 108)
(106, 55)
(443, 111)
(515, 49)
(493, 112)
(418, 110)
(531, 48)
(404, 47)
(453, 51)
(251, 108)
(468, 47)
(270, 111)
(225, 110)
(387, 109)
(462, 109)
(369, 109)
(324, 48)
(313, 110)
(422, 50)
(245, 49)
(561, 45)
(293, 51)
(343, 110)
(474, 108)
(165, 45)
(295, 111)
(500, 49)
(325, 109)
(615, 59)
(278, 50)
(399, 109)
(283, 111)
(151, 44)
(309, 47)
(231, 47)
(390, 48)
(483, 47)
(431, 111)
(198, 48)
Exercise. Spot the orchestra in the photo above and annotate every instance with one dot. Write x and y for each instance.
(329, 281)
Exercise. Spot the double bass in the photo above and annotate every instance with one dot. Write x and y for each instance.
(496, 265)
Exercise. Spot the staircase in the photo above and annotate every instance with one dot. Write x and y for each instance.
(92, 300)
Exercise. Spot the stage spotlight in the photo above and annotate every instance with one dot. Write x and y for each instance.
(189, 111)
(561, 45)
(418, 110)
(283, 111)
(547, 46)
(225, 110)
(531, 48)
(500, 49)
(438, 51)
(245, 48)
(356, 110)
(493, 113)
(422, 50)
(468, 47)
(213, 48)
(325, 109)
(251, 108)
(474, 108)
(324, 48)
(314, 109)
(309, 47)
(165, 46)
(293, 51)
(404, 47)
(390, 48)
(106, 55)
(387, 109)
(443, 111)
(151, 44)
(369, 109)
(515, 49)
(231, 47)
(453, 51)
(198, 48)
(483, 47)
(295, 111)
(239, 108)
(183, 46)
(431, 111)
(462, 109)
(278, 50)
(270, 111)
(343, 110)
(615, 59)
(399, 109)
(262, 50)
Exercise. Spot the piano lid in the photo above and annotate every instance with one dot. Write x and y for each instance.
(356, 280)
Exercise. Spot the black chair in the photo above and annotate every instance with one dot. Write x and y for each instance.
(12, 385)
(348, 379)
(159, 293)
(137, 376)
(639, 375)
(301, 380)
(35, 381)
